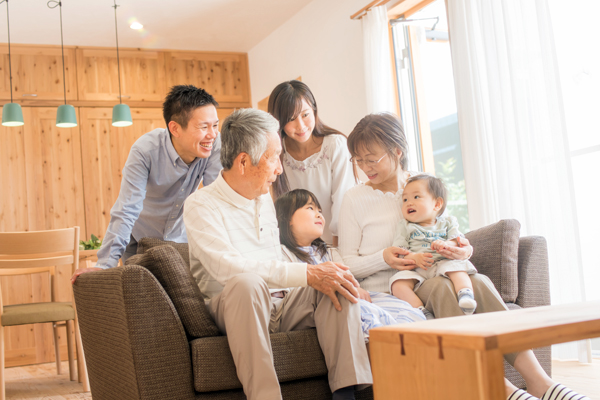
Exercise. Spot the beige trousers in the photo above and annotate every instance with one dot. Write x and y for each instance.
(246, 312)
(438, 296)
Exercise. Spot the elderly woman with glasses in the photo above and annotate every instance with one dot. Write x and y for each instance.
(371, 212)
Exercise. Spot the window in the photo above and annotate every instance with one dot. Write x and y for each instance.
(428, 102)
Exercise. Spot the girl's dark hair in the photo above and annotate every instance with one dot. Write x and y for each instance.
(285, 103)
(384, 130)
(285, 207)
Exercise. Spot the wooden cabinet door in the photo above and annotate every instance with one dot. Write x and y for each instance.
(104, 151)
(223, 113)
(142, 75)
(37, 73)
(41, 188)
(223, 75)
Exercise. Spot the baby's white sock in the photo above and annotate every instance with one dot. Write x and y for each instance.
(466, 301)
(428, 314)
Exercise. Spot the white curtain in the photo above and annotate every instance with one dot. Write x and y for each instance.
(378, 64)
(513, 132)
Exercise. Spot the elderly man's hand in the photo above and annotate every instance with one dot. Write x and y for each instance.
(330, 277)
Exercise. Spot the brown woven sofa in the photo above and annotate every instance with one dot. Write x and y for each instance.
(147, 335)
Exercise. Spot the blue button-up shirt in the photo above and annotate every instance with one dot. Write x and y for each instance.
(156, 182)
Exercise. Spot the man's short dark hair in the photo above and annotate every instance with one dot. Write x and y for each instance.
(182, 100)
(435, 187)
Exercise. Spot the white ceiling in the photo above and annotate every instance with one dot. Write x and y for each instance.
(210, 25)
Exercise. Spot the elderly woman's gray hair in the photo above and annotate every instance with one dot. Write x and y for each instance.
(246, 131)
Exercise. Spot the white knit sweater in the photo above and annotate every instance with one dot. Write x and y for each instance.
(367, 224)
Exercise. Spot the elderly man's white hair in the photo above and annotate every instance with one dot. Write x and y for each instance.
(246, 131)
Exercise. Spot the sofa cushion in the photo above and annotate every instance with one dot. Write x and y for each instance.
(496, 255)
(182, 248)
(296, 355)
(169, 268)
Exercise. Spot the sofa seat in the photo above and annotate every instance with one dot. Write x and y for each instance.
(296, 354)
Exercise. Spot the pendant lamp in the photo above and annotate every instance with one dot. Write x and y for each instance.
(65, 115)
(121, 112)
(12, 115)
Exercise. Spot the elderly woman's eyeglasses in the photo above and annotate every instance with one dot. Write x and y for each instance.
(368, 163)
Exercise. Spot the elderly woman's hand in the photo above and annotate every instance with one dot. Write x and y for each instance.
(391, 257)
(463, 252)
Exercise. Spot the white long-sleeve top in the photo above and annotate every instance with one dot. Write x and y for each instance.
(368, 221)
(327, 174)
(229, 234)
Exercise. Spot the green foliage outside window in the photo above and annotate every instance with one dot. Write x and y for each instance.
(457, 194)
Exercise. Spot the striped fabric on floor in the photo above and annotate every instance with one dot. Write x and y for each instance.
(561, 392)
(521, 395)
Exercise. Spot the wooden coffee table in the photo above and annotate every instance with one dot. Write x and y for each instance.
(460, 358)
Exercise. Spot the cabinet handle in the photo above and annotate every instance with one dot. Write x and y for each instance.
(124, 97)
(29, 95)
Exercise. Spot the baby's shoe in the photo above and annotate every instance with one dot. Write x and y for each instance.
(466, 301)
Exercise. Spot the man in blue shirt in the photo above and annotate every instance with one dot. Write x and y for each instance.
(164, 167)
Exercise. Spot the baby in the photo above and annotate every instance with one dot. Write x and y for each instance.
(423, 231)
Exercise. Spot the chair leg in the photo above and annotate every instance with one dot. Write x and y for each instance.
(2, 386)
(71, 350)
(56, 348)
(81, 368)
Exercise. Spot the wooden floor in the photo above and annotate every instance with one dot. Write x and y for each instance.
(41, 382)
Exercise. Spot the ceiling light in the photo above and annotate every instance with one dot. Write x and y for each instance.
(136, 25)
(121, 112)
(12, 115)
(66, 117)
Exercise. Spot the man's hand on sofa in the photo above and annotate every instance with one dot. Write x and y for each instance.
(80, 271)
(330, 277)
(464, 251)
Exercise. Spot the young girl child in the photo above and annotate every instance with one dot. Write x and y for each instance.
(301, 225)
(423, 231)
(314, 156)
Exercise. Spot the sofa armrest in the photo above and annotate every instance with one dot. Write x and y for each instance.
(135, 345)
(534, 276)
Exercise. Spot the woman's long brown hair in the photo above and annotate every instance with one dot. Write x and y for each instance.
(285, 207)
(285, 103)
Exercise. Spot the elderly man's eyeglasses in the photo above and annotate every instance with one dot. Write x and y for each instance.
(368, 163)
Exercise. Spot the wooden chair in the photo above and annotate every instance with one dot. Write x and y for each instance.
(25, 253)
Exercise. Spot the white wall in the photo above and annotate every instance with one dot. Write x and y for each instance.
(323, 46)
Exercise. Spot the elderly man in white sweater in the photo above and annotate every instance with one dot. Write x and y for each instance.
(236, 258)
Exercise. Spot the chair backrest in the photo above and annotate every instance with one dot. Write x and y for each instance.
(39, 248)
(39, 251)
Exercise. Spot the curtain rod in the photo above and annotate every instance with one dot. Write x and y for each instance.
(363, 11)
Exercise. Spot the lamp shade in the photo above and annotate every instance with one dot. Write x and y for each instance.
(121, 115)
(65, 116)
(12, 115)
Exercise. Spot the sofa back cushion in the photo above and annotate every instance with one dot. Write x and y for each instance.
(496, 255)
(169, 268)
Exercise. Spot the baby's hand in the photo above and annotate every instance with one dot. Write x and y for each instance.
(438, 245)
(443, 244)
(423, 260)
